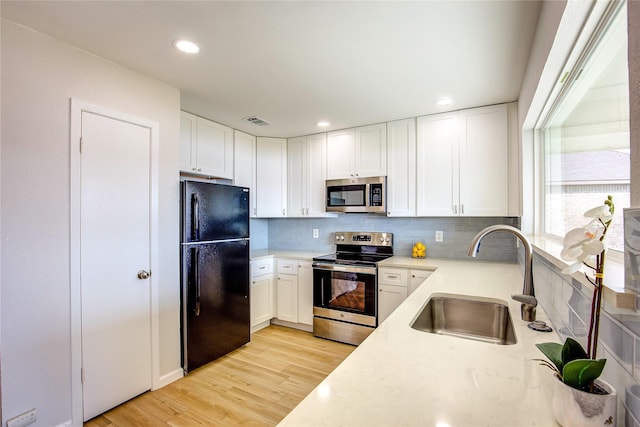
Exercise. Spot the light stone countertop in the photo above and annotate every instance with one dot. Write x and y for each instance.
(403, 377)
(269, 253)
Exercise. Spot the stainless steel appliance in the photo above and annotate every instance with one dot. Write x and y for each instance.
(214, 271)
(357, 195)
(345, 286)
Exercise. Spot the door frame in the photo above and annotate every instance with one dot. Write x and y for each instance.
(77, 108)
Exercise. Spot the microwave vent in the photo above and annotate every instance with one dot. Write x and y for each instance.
(255, 120)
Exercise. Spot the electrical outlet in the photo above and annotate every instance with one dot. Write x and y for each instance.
(439, 236)
(23, 419)
(316, 233)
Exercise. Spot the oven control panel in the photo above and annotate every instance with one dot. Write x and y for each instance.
(364, 238)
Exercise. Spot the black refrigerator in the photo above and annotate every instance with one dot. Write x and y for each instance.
(214, 271)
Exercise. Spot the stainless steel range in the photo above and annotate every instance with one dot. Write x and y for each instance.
(345, 286)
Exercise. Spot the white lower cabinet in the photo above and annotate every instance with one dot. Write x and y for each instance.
(416, 277)
(395, 285)
(305, 292)
(261, 293)
(392, 290)
(389, 298)
(294, 291)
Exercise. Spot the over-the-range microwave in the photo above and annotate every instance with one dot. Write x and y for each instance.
(357, 195)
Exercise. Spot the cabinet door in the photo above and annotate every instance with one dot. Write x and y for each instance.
(305, 293)
(437, 165)
(261, 288)
(416, 278)
(371, 150)
(244, 165)
(401, 168)
(271, 177)
(287, 297)
(215, 149)
(341, 153)
(315, 174)
(296, 185)
(187, 142)
(389, 298)
(484, 161)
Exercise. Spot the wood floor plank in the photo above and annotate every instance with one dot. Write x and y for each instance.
(256, 385)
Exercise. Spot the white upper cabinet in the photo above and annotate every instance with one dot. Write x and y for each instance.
(244, 165)
(188, 142)
(206, 147)
(437, 165)
(271, 177)
(401, 162)
(341, 152)
(463, 163)
(306, 175)
(484, 161)
(359, 152)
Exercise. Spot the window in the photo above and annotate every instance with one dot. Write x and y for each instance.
(586, 137)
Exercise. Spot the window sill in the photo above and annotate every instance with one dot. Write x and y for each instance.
(614, 294)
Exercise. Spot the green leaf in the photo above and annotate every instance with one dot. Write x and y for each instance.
(582, 372)
(553, 351)
(572, 350)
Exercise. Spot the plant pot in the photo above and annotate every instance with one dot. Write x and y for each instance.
(573, 407)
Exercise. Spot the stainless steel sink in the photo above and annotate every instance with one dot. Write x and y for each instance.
(470, 317)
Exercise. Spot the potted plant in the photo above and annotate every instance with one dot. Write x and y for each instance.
(580, 398)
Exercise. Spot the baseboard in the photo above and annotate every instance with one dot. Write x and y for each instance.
(259, 326)
(168, 378)
(300, 326)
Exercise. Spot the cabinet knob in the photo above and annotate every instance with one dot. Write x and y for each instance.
(199, 170)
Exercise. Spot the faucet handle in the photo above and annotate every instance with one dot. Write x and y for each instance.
(528, 306)
(526, 299)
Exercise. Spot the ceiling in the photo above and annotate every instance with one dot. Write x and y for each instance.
(294, 63)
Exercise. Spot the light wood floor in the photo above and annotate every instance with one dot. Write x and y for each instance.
(256, 385)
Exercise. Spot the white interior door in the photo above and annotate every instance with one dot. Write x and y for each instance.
(115, 247)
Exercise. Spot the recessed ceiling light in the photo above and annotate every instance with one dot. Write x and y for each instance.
(444, 101)
(186, 46)
(323, 124)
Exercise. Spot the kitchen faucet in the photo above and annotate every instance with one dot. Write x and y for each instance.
(527, 298)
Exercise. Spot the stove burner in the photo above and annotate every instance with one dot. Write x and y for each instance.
(360, 249)
(348, 258)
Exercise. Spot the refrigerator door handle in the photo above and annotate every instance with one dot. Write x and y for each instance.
(195, 217)
(196, 277)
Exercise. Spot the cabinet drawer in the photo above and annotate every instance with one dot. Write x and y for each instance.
(393, 276)
(261, 266)
(287, 266)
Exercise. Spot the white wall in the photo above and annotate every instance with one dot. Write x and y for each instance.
(39, 76)
(633, 31)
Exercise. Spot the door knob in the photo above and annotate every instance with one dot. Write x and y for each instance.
(142, 274)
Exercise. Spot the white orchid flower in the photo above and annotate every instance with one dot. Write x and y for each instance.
(582, 243)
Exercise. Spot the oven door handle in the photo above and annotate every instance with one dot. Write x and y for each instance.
(345, 268)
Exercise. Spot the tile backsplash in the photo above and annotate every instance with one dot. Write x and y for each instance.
(568, 307)
(297, 234)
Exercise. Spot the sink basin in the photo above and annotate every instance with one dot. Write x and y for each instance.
(470, 317)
